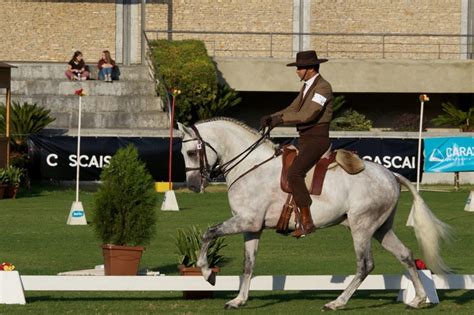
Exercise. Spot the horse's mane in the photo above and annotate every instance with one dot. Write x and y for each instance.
(238, 123)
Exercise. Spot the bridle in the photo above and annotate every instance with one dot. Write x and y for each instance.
(205, 170)
(209, 173)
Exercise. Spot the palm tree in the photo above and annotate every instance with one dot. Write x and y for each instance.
(455, 117)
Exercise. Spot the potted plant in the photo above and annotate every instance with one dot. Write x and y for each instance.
(124, 212)
(13, 175)
(3, 182)
(188, 244)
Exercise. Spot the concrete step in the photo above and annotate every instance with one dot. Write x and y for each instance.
(57, 103)
(102, 111)
(112, 120)
(91, 87)
(28, 71)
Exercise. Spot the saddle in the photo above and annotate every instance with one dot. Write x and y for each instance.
(347, 160)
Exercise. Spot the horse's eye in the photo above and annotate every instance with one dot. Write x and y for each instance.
(191, 153)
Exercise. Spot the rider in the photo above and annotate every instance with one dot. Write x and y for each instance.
(311, 112)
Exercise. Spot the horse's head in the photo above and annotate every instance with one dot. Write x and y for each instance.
(199, 158)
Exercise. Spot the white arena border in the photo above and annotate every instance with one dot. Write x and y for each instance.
(12, 285)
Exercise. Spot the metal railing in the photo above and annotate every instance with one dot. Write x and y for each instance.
(329, 45)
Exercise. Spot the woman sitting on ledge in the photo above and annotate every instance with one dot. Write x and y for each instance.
(108, 70)
(76, 68)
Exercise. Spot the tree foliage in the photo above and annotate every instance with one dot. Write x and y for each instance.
(186, 66)
(124, 210)
(25, 119)
(455, 117)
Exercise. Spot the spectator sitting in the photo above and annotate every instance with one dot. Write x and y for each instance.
(108, 70)
(76, 68)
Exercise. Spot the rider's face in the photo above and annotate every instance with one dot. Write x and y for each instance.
(305, 73)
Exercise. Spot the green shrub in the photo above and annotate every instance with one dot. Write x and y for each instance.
(25, 119)
(188, 244)
(456, 117)
(185, 65)
(351, 120)
(124, 210)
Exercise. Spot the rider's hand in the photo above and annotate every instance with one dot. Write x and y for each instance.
(275, 121)
(265, 121)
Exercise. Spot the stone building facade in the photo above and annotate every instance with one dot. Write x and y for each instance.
(51, 30)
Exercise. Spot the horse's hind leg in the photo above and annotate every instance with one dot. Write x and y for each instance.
(365, 264)
(251, 246)
(390, 242)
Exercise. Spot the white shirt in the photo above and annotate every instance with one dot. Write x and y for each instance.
(309, 83)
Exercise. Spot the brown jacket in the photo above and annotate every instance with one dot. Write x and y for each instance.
(314, 109)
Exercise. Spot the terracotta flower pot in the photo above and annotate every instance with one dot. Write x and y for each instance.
(121, 260)
(195, 271)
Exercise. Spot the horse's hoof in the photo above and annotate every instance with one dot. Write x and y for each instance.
(422, 305)
(331, 306)
(234, 304)
(230, 307)
(212, 278)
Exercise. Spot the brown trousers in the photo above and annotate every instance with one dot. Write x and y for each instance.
(312, 144)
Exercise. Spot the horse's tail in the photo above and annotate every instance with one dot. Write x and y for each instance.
(429, 230)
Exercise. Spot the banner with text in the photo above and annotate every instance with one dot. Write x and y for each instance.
(54, 157)
(454, 154)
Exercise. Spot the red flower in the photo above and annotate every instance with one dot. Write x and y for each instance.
(175, 92)
(420, 264)
(424, 98)
(7, 267)
(80, 92)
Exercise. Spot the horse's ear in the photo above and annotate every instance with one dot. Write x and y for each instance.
(184, 130)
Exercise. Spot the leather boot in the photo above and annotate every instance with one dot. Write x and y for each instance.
(306, 225)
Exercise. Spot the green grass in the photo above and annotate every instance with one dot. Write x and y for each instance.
(37, 240)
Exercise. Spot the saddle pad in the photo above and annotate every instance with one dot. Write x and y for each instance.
(349, 161)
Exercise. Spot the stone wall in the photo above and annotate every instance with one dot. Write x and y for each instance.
(387, 16)
(51, 30)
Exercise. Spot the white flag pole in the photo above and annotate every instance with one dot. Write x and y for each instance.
(78, 147)
(423, 98)
(422, 102)
(77, 215)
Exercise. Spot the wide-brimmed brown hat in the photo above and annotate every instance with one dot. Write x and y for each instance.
(306, 59)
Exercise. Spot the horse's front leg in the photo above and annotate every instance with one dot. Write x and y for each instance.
(251, 246)
(234, 225)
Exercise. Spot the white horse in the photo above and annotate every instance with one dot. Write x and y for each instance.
(365, 203)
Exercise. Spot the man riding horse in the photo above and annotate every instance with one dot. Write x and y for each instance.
(311, 112)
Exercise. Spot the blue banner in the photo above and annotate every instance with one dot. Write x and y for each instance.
(449, 154)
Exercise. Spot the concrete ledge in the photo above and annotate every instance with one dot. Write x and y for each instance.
(353, 75)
